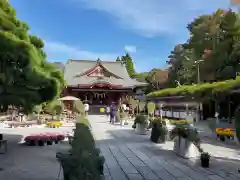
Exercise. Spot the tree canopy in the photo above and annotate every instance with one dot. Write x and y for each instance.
(127, 60)
(212, 52)
(26, 78)
(213, 46)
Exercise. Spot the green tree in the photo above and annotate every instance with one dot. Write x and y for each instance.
(127, 60)
(213, 48)
(118, 59)
(26, 78)
(54, 108)
(215, 39)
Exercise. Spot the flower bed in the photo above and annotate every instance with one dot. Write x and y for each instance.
(48, 136)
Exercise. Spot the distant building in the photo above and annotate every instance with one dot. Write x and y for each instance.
(159, 77)
(99, 82)
(59, 65)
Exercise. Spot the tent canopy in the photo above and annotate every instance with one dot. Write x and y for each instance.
(69, 98)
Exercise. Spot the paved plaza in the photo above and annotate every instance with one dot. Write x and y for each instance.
(134, 157)
(128, 156)
(30, 163)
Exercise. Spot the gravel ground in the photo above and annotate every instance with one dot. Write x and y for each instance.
(30, 163)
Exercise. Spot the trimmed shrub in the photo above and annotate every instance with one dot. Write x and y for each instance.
(83, 162)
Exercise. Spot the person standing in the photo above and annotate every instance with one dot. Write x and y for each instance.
(108, 112)
(86, 108)
(113, 112)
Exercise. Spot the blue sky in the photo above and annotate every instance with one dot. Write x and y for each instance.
(88, 29)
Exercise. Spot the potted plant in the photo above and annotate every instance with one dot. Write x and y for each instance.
(159, 132)
(205, 157)
(141, 123)
(185, 140)
(49, 142)
(40, 142)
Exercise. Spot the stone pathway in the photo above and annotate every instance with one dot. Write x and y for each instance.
(134, 157)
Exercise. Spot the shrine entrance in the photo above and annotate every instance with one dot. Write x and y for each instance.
(99, 98)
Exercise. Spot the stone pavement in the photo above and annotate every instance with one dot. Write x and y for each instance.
(30, 163)
(134, 157)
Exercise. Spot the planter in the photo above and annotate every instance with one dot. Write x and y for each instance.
(157, 137)
(185, 148)
(31, 143)
(49, 143)
(40, 143)
(122, 122)
(140, 129)
(205, 162)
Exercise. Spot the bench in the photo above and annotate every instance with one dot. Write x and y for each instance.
(3, 143)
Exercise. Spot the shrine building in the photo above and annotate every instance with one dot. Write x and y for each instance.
(99, 82)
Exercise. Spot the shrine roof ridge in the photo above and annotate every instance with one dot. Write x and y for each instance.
(92, 61)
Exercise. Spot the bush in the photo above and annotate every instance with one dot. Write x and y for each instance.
(140, 119)
(83, 162)
(159, 132)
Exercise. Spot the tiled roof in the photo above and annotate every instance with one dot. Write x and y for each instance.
(75, 67)
(160, 75)
(59, 65)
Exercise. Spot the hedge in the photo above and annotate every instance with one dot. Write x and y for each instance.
(199, 90)
(83, 161)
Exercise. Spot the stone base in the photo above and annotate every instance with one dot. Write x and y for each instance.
(140, 129)
(185, 148)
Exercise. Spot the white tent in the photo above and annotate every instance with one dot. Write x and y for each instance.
(68, 98)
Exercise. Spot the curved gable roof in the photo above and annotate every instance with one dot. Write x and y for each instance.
(79, 67)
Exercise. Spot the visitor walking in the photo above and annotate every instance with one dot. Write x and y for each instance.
(113, 112)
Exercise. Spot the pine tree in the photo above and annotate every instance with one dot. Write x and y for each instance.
(118, 59)
(127, 60)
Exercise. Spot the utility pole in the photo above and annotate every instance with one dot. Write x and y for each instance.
(198, 70)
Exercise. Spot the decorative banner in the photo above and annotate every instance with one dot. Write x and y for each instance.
(99, 95)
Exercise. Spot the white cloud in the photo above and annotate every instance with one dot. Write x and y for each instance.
(130, 49)
(154, 17)
(64, 51)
